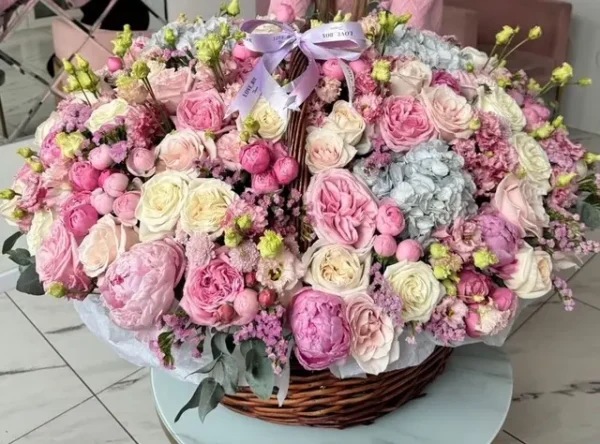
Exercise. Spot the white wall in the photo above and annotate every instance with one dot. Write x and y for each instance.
(206, 8)
(581, 106)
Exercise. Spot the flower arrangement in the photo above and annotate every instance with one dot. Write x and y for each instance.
(444, 193)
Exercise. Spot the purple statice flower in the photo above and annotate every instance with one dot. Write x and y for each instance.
(244, 257)
(384, 296)
(118, 151)
(74, 115)
(562, 153)
(565, 293)
(240, 208)
(447, 322)
(199, 250)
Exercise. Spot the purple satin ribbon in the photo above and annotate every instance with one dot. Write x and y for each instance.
(339, 40)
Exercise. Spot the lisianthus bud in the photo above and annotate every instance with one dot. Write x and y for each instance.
(591, 158)
(470, 67)
(347, 17)
(26, 153)
(270, 244)
(475, 124)
(36, 166)
(57, 290)
(338, 17)
(442, 272)
(586, 81)
(19, 214)
(381, 70)
(182, 18)
(7, 194)
(562, 74)
(170, 38)
(504, 36)
(439, 251)
(267, 297)
(533, 86)
(405, 18)
(251, 125)
(315, 23)
(70, 144)
(450, 287)
(558, 122)
(484, 258)
(535, 33)
(68, 66)
(81, 62)
(224, 30)
(565, 179)
(140, 70)
(503, 82)
(233, 8)
(244, 222)
(232, 238)
(544, 132)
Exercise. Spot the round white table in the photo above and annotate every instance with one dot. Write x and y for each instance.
(466, 405)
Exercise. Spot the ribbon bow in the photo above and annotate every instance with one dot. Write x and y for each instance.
(339, 40)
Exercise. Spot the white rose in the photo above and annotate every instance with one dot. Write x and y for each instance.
(347, 122)
(410, 78)
(326, 149)
(272, 125)
(45, 127)
(418, 288)
(40, 228)
(337, 269)
(205, 207)
(497, 101)
(106, 114)
(533, 159)
(533, 275)
(160, 205)
(476, 57)
(106, 241)
(449, 112)
(180, 150)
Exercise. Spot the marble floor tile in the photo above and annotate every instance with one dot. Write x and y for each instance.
(88, 423)
(590, 141)
(97, 364)
(505, 438)
(35, 383)
(556, 363)
(131, 401)
(587, 282)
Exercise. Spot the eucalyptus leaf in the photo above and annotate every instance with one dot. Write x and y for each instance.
(590, 214)
(251, 344)
(222, 343)
(29, 282)
(207, 397)
(259, 374)
(230, 374)
(10, 242)
(20, 256)
(207, 368)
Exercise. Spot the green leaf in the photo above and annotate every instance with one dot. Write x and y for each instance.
(251, 344)
(29, 282)
(207, 397)
(230, 374)
(207, 368)
(222, 343)
(20, 256)
(10, 242)
(590, 214)
(259, 374)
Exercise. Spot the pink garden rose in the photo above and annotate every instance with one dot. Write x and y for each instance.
(32, 188)
(467, 83)
(78, 215)
(140, 162)
(405, 124)
(229, 146)
(536, 114)
(102, 202)
(342, 208)
(208, 288)
(84, 176)
(320, 327)
(445, 78)
(170, 85)
(182, 149)
(57, 260)
(286, 170)
(138, 287)
(124, 207)
(500, 236)
(331, 68)
(201, 111)
(474, 287)
(100, 157)
(449, 112)
(390, 219)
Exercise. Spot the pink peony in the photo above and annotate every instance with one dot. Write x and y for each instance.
(103, 176)
(229, 146)
(342, 208)
(208, 288)
(140, 162)
(170, 85)
(286, 170)
(201, 111)
(264, 183)
(404, 123)
(114, 64)
(246, 306)
(242, 53)
(256, 157)
(449, 113)
(100, 157)
(138, 287)
(124, 207)
(102, 202)
(409, 250)
(474, 287)
(320, 328)
(390, 219)
(500, 236)
(385, 245)
(78, 214)
(84, 176)
(536, 113)
(115, 184)
(331, 68)
(504, 299)
(464, 237)
(57, 260)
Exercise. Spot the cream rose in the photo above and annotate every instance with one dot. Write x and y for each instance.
(374, 343)
(106, 114)
(326, 149)
(449, 112)
(533, 275)
(533, 159)
(347, 122)
(45, 127)
(337, 269)
(40, 228)
(497, 101)
(476, 57)
(272, 125)
(418, 288)
(106, 241)
(205, 207)
(409, 78)
(180, 150)
(160, 204)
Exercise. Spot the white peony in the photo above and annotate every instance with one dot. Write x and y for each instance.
(347, 122)
(497, 101)
(40, 228)
(106, 114)
(326, 149)
(533, 159)
(409, 78)
(533, 276)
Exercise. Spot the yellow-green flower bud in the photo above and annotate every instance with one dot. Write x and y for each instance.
(182, 18)
(348, 17)
(25, 153)
(504, 36)
(533, 86)
(7, 194)
(484, 258)
(270, 244)
(451, 289)
(209, 48)
(224, 30)
(245, 136)
(244, 222)
(233, 8)
(315, 23)
(404, 18)
(68, 66)
(535, 33)
(441, 272)
(544, 132)
(19, 214)
(470, 67)
(232, 238)
(81, 62)
(57, 290)
(562, 74)
(251, 125)
(382, 70)
(586, 81)
(36, 166)
(475, 124)
(503, 82)
(119, 48)
(565, 179)
(558, 122)
(199, 20)
(591, 158)
(439, 251)
(239, 35)
(70, 144)
(210, 134)
(140, 70)
(85, 80)
(338, 17)
(170, 37)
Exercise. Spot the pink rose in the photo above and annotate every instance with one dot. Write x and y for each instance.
(450, 113)
(264, 183)
(103, 176)
(373, 344)
(140, 162)
(360, 66)
(182, 149)
(285, 13)
(242, 53)
(504, 299)
(445, 78)
(124, 207)
(331, 68)
(170, 85)
(114, 64)
(464, 237)
(256, 157)
(320, 328)
(404, 123)
(208, 288)
(521, 203)
(246, 306)
(342, 208)
(138, 287)
(536, 114)
(286, 170)
(467, 83)
(385, 245)
(229, 146)
(57, 260)
(84, 176)
(102, 202)
(78, 215)
(500, 236)
(390, 219)
(115, 184)
(201, 111)
(409, 250)
(100, 157)
(474, 287)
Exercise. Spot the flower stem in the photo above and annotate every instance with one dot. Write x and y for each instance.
(505, 57)
(490, 57)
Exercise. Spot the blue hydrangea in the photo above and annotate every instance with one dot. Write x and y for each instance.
(428, 47)
(187, 34)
